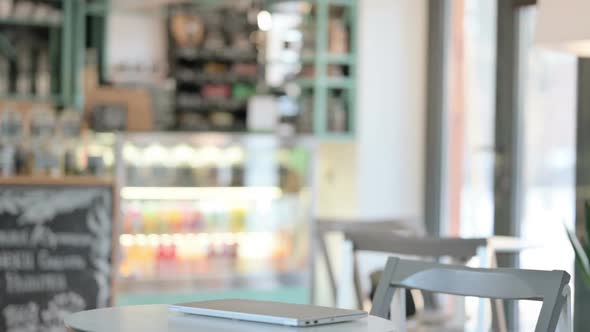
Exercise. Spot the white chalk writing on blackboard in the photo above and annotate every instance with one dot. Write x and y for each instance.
(58, 307)
(54, 242)
(14, 238)
(17, 260)
(47, 261)
(43, 236)
(18, 283)
(98, 221)
(67, 239)
(21, 317)
(42, 205)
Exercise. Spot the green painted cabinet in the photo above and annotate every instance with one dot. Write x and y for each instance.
(328, 57)
(64, 35)
(335, 73)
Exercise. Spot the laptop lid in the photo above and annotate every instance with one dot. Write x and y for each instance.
(269, 312)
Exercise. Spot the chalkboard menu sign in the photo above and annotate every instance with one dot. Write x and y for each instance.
(55, 254)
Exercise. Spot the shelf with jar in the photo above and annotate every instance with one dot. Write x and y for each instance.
(41, 146)
(214, 63)
(220, 210)
(39, 46)
(322, 34)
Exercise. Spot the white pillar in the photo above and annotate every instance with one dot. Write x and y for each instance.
(391, 107)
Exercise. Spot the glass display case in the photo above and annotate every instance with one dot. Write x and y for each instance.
(214, 212)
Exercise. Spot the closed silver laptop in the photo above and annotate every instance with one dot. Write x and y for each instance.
(269, 312)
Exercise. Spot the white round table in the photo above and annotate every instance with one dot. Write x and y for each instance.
(157, 318)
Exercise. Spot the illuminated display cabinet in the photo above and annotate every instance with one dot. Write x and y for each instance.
(221, 213)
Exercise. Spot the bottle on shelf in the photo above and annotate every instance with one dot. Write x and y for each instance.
(130, 216)
(43, 77)
(70, 131)
(6, 8)
(336, 114)
(238, 219)
(46, 153)
(305, 119)
(166, 259)
(24, 70)
(163, 221)
(23, 9)
(193, 221)
(11, 126)
(175, 220)
(338, 37)
(4, 75)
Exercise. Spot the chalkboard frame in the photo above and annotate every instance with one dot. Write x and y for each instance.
(41, 182)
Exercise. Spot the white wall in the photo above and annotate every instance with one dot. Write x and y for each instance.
(391, 107)
(336, 183)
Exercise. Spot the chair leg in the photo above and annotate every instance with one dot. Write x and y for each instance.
(488, 259)
(498, 316)
(345, 280)
(565, 321)
(357, 282)
(329, 267)
(398, 309)
(313, 278)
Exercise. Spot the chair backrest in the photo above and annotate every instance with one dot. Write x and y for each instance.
(506, 284)
(410, 226)
(402, 225)
(463, 249)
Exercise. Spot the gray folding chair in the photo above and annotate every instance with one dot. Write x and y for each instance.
(550, 287)
(325, 226)
(458, 249)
